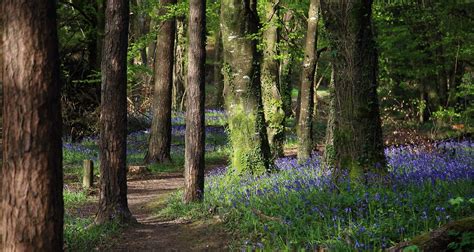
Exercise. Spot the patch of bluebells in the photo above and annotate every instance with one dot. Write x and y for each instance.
(137, 142)
(309, 207)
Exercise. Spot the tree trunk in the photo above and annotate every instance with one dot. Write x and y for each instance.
(272, 101)
(356, 141)
(218, 77)
(160, 136)
(32, 180)
(179, 63)
(242, 89)
(138, 28)
(305, 118)
(286, 66)
(195, 132)
(113, 117)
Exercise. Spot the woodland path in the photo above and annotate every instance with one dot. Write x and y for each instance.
(157, 234)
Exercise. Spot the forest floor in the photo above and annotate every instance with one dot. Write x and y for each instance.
(154, 233)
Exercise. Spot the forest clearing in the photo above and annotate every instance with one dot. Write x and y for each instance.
(237, 125)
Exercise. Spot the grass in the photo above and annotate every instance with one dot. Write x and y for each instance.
(80, 234)
(302, 207)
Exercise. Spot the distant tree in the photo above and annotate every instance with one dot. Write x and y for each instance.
(271, 89)
(354, 139)
(32, 181)
(305, 118)
(248, 136)
(113, 117)
(179, 70)
(195, 132)
(159, 146)
(218, 77)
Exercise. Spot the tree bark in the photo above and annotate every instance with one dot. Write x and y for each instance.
(195, 132)
(272, 101)
(356, 141)
(305, 118)
(179, 72)
(113, 118)
(32, 180)
(242, 88)
(159, 146)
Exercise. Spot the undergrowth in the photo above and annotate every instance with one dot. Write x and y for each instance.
(303, 207)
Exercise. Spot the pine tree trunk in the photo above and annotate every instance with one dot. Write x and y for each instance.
(305, 118)
(179, 63)
(356, 142)
(272, 101)
(242, 88)
(159, 146)
(32, 181)
(113, 118)
(195, 132)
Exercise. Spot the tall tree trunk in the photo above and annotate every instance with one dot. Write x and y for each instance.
(305, 118)
(242, 89)
(356, 141)
(113, 116)
(195, 132)
(160, 136)
(272, 101)
(32, 180)
(179, 63)
(218, 77)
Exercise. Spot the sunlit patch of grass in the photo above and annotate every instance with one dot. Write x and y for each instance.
(72, 199)
(80, 234)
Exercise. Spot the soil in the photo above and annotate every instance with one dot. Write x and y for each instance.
(153, 233)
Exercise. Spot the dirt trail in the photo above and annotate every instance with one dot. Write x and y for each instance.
(155, 234)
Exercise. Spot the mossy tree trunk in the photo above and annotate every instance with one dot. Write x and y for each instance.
(248, 136)
(305, 117)
(272, 100)
(113, 203)
(195, 132)
(355, 140)
(159, 146)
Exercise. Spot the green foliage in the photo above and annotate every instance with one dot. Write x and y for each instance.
(421, 48)
(465, 241)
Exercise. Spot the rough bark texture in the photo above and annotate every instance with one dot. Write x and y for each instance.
(195, 132)
(179, 71)
(356, 139)
(305, 117)
(160, 136)
(113, 117)
(242, 89)
(272, 100)
(32, 196)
